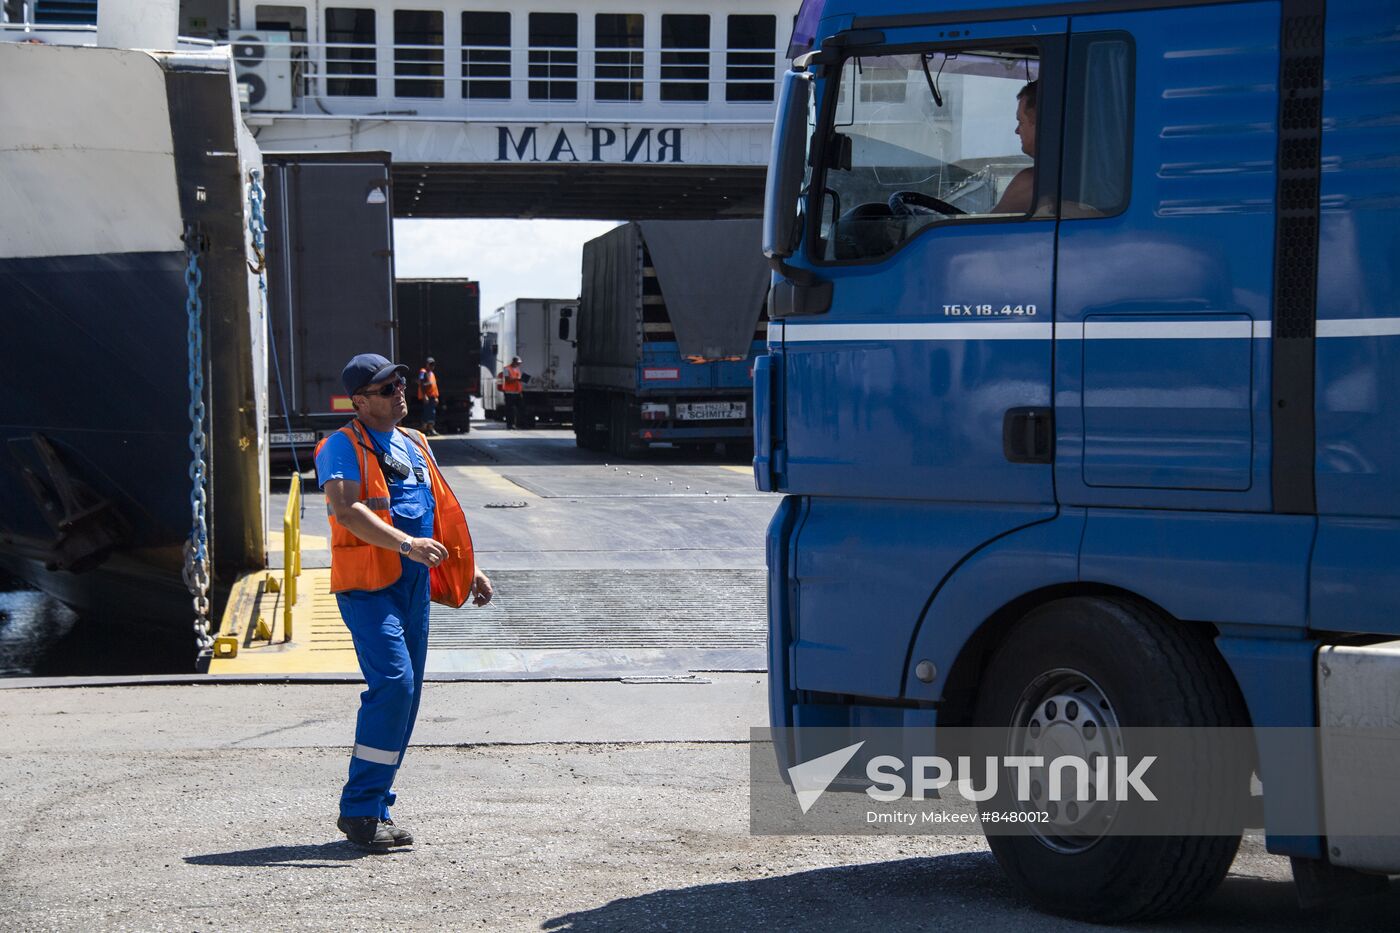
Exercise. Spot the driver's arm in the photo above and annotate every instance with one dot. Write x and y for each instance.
(1017, 197)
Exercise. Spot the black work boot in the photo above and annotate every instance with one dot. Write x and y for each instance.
(402, 837)
(367, 832)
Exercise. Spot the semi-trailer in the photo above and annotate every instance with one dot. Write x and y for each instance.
(441, 318)
(542, 332)
(330, 286)
(671, 318)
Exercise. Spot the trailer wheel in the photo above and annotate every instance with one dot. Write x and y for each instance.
(1127, 666)
(620, 443)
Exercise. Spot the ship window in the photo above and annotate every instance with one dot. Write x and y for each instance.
(553, 56)
(750, 75)
(1098, 126)
(618, 44)
(920, 139)
(486, 56)
(350, 52)
(418, 53)
(288, 19)
(685, 56)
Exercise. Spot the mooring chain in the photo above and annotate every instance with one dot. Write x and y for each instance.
(257, 227)
(196, 569)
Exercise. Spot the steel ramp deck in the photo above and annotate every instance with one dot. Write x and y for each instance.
(543, 624)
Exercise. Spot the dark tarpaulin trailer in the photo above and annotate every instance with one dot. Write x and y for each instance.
(441, 318)
(670, 316)
(330, 284)
(712, 278)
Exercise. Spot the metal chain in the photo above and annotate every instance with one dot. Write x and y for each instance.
(196, 569)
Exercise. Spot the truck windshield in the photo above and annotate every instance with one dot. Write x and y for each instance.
(921, 137)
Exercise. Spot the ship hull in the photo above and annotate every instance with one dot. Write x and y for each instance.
(95, 466)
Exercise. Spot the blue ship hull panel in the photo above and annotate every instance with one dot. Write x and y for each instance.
(110, 389)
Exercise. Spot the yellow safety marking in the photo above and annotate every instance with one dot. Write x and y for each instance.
(322, 643)
(746, 470)
(488, 477)
(308, 542)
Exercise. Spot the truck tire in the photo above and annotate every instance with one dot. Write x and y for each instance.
(620, 444)
(1138, 668)
(586, 434)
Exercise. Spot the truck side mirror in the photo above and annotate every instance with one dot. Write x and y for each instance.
(563, 328)
(786, 167)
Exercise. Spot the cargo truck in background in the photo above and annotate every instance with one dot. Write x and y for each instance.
(441, 318)
(1118, 452)
(330, 286)
(543, 333)
(671, 318)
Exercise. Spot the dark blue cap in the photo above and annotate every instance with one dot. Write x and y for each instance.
(367, 369)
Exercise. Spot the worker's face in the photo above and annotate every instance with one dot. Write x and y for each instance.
(378, 406)
(1025, 127)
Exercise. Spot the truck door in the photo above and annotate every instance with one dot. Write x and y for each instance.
(1165, 259)
(917, 406)
(331, 274)
(1356, 573)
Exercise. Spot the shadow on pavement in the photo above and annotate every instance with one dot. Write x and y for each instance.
(942, 893)
(304, 856)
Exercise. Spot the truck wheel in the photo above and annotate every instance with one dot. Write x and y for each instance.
(1095, 666)
(619, 443)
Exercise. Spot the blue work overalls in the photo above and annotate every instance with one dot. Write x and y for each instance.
(390, 631)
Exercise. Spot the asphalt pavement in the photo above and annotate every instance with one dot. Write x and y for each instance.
(604, 806)
(580, 803)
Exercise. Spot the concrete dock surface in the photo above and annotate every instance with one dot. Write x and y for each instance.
(536, 806)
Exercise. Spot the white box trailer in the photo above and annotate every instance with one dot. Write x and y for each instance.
(543, 333)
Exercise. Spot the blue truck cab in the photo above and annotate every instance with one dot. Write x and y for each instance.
(1084, 375)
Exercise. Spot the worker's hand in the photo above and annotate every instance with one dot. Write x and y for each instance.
(481, 589)
(427, 552)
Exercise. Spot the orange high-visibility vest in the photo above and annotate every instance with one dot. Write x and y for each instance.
(510, 379)
(358, 565)
(427, 384)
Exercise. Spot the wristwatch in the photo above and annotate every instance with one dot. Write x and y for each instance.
(406, 546)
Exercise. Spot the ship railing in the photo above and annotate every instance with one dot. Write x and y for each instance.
(413, 81)
(231, 634)
(79, 34)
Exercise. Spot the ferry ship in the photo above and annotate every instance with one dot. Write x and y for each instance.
(125, 177)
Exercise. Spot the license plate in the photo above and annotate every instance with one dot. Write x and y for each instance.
(296, 437)
(710, 411)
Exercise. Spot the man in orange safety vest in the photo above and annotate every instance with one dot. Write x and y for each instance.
(399, 539)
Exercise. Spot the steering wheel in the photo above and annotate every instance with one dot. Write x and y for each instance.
(907, 203)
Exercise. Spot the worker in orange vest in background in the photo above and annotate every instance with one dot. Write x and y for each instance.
(428, 395)
(512, 382)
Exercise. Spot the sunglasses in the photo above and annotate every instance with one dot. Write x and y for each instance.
(386, 390)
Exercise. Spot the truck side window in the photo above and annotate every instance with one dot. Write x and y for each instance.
(1098, 126)
(924, 137)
